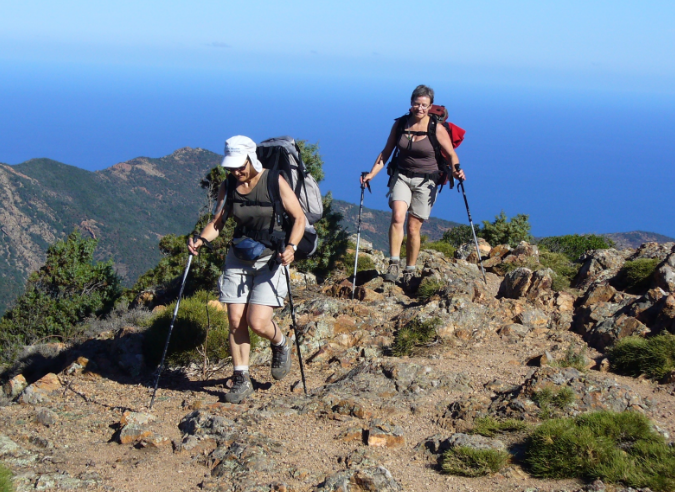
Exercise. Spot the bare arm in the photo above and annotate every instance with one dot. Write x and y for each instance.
(294, 210)
(383, 157)
(448, 150)
(213, 228)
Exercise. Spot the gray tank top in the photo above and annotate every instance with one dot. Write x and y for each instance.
(250, 215)
(417, 157)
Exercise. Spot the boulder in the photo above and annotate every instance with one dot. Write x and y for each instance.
(598, 292)
(665, 319)
(540, 283)
(516, 284)
(589, 392)
(665, 274)
(610, 330)
(385, 435)
(467, 251)
(42, 390)
(523, 282)
(525, 249)
(660, 251)
(46, 417)
(15, 386)
(599, 265)
(474, 441)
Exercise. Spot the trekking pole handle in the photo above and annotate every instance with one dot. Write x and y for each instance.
(365, 184)
(205, 242)
(458, 168)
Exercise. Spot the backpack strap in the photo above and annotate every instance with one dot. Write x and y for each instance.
(231, 185)
(443, 167)
(274, 193)
(392, 167)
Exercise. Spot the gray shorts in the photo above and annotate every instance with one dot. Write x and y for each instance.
(418, 194)
(247, 282)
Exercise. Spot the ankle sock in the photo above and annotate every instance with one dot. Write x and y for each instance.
(283, 340)
(395, 259)
(240, 368)
(410, 268)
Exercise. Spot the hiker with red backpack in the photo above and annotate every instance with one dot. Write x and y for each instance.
(424, 156)
(251, 284)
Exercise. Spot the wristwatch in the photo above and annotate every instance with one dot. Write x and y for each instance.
(295, 248)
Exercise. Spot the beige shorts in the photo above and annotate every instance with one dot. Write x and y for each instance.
(247, 282)
(418, 194)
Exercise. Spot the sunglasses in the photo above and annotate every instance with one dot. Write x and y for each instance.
(239, 169)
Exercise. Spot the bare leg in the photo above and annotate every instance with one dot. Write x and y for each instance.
(240, 341)
(413, 242)
(260, 320)
(398, 213)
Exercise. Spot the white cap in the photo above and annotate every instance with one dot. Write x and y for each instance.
(237, 148)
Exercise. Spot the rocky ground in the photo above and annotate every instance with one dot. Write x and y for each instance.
(370, 421)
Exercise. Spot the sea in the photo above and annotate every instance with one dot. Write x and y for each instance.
(575, 159)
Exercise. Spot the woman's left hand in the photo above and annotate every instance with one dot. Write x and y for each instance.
(459, 174)
(287, 256)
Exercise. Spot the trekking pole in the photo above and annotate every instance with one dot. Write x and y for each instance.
(480, 259)
(175, 314)
(295, 328)
(358, 230)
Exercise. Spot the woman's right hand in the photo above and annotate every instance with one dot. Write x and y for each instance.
(366, 177)
(193, 246)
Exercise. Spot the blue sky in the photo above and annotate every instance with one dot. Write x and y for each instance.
(569, 106)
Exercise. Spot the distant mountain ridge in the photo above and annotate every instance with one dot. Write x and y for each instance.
(130, 206)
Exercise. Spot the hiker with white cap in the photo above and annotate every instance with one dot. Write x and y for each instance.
(251, 284)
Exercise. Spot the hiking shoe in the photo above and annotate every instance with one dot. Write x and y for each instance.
(241, 388)
(281, 360)
(392, 272)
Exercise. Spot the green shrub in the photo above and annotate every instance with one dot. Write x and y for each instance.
(503, 231)
(575, 245)
(414, 334)
(470, 462)
(573, 358)
(636, 275)
(168, 273)
(552, 402)
(69, 288)
(458, 235)
(653, 357)
(198, 328)
(612, 447)
(5, 480)
(365, 262)
(488, 426)
(428, 287)
(444, 247)
(564, 269)
(499, 231)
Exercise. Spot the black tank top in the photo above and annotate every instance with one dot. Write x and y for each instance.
(248, 214)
